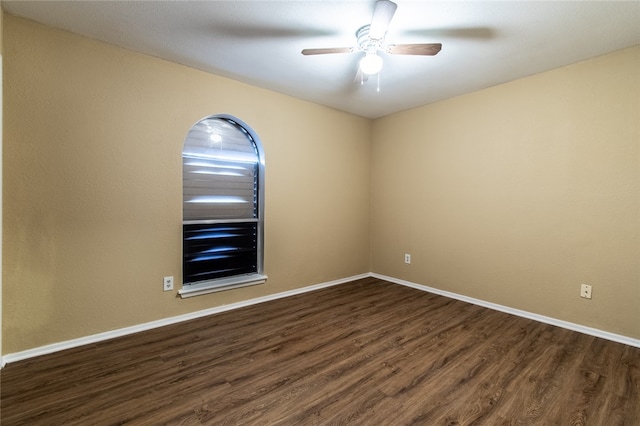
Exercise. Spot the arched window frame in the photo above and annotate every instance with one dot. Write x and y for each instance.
(244, 279)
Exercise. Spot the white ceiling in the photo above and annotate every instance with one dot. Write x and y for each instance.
(259, 42)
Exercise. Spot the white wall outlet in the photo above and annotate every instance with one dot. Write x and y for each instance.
(167, 284)
(585, 291)
(407, 258)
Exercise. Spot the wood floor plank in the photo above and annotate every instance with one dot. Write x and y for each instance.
(367, 352)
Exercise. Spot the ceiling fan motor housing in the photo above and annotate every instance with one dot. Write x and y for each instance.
(366, 43)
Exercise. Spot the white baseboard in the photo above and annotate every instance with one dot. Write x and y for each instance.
(529, 315)
(55, 347)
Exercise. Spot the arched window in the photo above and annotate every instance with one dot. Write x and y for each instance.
(223, 206)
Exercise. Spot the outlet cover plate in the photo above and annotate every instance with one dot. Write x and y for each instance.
(167, 284)
(585, 291)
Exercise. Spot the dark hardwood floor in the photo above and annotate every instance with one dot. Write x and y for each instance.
(365, 353)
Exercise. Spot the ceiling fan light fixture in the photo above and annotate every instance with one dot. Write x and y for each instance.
(371, 64)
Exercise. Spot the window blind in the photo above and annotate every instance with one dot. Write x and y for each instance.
(219, 172)
(219, 250)
(221, 207)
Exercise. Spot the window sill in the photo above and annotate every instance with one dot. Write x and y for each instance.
(221, 285)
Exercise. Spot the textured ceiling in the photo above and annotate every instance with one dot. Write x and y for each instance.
(259, 42)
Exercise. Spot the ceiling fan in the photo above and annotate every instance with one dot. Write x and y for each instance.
(370, 40)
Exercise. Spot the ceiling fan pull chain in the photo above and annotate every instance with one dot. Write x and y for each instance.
(378, 89)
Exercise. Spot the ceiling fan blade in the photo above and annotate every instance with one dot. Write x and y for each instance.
(414, 49)
(324, 51)
(382, 14)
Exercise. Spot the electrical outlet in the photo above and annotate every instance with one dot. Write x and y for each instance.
(585, 291)
(407, 258)
(167, 284)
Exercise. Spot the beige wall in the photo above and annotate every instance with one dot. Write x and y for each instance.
(519, 193)
(92, 185)
(515, 194)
